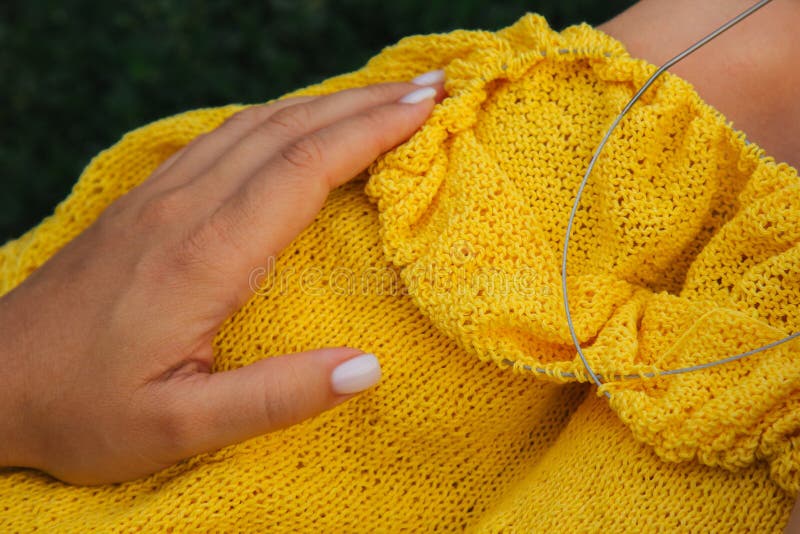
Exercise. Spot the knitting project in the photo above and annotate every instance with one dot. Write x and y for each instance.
(444, 260)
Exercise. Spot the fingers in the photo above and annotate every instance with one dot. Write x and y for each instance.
(226, 157)
(285, 195)
(224, 408)
(281, 128)
(189, 162)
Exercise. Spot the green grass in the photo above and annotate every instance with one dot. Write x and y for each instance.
(77, 74)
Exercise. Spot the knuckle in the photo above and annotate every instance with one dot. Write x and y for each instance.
(172, 427)
(375, 121)
(383, 92)
(274, 411)
(166, 420)
(180, 261)
(116, 210)
(304, 154)
(281, 400)
(189, 251)
(197, 247)
(250, 117)
(292, 119)
(162, 209)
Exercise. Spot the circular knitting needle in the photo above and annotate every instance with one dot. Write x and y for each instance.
(589, 169)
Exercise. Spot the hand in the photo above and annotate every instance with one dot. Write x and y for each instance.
(107, 347)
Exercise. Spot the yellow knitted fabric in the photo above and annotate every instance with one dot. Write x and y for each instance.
(444, 259)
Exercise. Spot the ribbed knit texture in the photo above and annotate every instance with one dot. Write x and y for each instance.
(444, 260)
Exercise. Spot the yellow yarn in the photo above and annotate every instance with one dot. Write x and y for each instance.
(686, 249)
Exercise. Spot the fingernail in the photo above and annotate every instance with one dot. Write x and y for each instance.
(356, 374)
(418, 95)
(429, 78)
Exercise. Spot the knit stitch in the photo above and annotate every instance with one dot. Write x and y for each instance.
(444, 260)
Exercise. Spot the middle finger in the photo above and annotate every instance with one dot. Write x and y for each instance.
(282, 128)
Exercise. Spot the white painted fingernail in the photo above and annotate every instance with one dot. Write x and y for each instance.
(418, 95)
(356, 374)
(429, 78)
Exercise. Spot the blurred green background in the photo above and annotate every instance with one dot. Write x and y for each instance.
(77, 74)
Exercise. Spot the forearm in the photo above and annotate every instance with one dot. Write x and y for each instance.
(749, 73)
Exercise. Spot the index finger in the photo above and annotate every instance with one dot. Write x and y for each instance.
(285, 195)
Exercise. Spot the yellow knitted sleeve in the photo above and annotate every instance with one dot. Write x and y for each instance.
(686, 247)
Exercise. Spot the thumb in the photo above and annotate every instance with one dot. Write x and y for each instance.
(273, 393)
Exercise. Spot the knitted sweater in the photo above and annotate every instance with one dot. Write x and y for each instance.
(444, 259)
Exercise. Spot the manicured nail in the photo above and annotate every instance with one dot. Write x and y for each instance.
(418, 95)
(356, 374)
(429, 78)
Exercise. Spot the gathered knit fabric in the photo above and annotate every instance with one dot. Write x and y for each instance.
(444, 260)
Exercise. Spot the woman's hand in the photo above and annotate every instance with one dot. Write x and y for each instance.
(106, 349)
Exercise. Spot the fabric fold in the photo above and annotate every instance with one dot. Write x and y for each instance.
(684, 250)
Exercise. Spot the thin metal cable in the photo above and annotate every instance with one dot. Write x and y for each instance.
(591, 166)
(681, 370)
